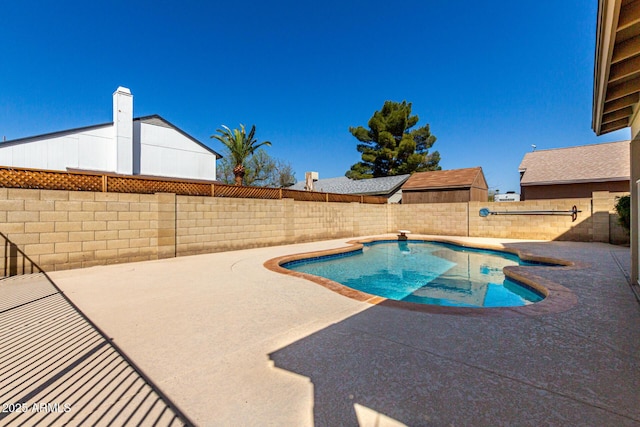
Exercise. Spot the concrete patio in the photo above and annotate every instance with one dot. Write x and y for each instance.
(231, 343)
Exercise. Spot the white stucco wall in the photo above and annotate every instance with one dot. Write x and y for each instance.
(92, 149)
(166, 152)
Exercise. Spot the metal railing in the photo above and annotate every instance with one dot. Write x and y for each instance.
(14, 261)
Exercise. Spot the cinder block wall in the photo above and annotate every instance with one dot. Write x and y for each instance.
(543, 227)
(450, 219)
(208, 224)
(618, 235)
(317, 220)
(370, 219)
(72, 229)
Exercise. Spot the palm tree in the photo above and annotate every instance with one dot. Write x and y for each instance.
(241, 145)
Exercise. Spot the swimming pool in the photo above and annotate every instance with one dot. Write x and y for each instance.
(425, 273)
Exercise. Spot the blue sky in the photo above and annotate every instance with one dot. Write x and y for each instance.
(490, 78)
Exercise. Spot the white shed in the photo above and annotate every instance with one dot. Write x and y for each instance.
(149, 146)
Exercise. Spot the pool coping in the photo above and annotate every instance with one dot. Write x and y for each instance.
(558, 298)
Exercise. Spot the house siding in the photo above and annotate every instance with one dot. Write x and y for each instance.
(166, 152)
(451, 186)
(565, 191)
(445, 196)
(92, 149)
(479, 194)
(435, 196)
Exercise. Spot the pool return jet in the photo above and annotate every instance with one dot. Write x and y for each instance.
(403, 234)
(484, 212)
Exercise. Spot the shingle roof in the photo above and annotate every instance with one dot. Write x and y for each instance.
(454, 178)
(586, 163)
(344, 185)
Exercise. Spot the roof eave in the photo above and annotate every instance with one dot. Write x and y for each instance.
(608, 15)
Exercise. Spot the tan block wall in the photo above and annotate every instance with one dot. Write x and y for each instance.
(164, 210)
(600, 210)
(72, 229)
(207, 224)
(618, 235)
(317, 221)
(437, 218)
(544, 227)
(371, 219)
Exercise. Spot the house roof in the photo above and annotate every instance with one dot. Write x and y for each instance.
(343, 185)
(454, 178)
(152, 120)
(586, 163)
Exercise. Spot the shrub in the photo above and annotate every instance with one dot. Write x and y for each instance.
(623, 207)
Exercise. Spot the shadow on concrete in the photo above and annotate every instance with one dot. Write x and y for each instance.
(388, 366)
(58, 368)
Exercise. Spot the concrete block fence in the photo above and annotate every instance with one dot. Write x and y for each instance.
(61, 229)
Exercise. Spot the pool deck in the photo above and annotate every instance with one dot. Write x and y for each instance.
(232, 343)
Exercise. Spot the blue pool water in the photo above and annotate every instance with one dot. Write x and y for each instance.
(425, 273)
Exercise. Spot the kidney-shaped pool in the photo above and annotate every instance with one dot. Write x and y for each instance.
(425, 273)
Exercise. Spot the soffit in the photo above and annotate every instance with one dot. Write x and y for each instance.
(617, 65)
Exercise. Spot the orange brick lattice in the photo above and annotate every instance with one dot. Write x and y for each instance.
(79, 181)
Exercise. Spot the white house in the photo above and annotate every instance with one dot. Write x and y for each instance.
(149, 146)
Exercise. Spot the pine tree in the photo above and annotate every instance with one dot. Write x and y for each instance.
(390, 148)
